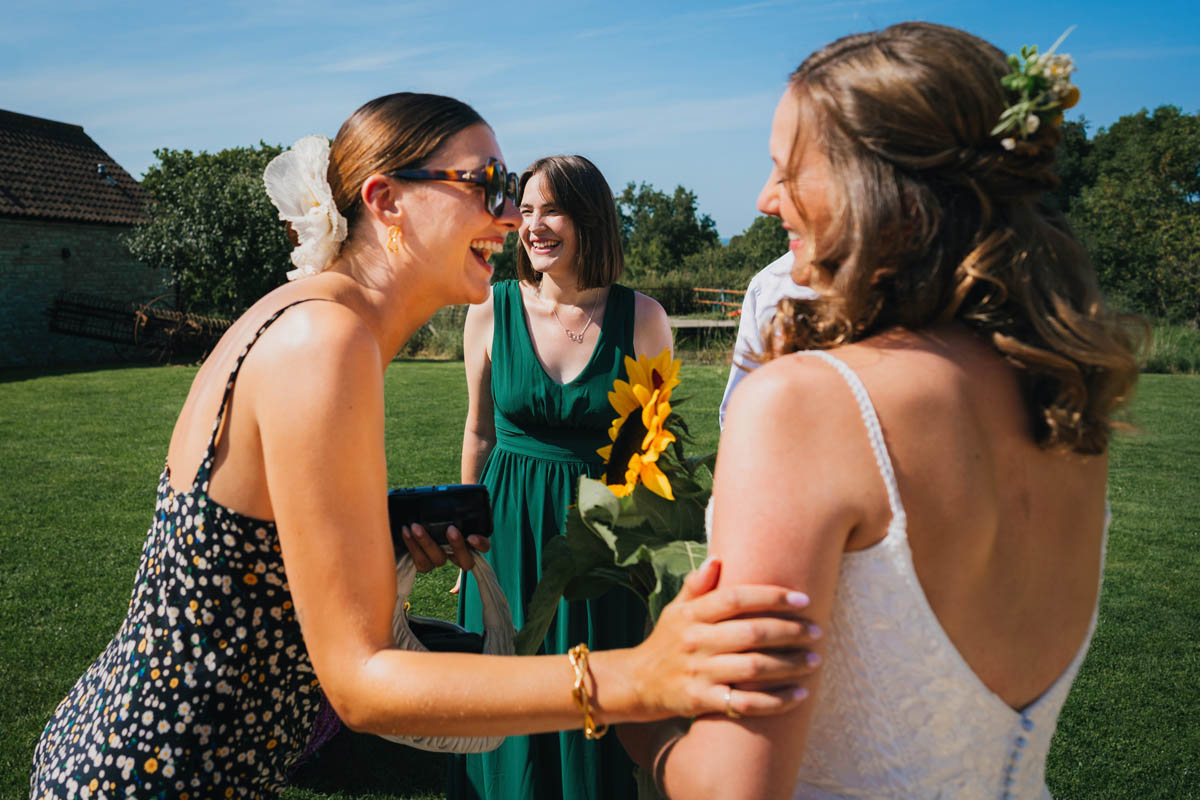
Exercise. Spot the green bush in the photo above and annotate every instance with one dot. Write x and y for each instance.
(440, 338)
(213, 229)
(1174, 349)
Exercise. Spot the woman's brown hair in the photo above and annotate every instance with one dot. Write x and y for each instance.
(396, 131)
(579, 190)
(941, 222)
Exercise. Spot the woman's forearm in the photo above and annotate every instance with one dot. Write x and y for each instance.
(456, 694)
(476, 448)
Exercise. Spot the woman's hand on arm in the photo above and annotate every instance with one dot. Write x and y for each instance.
(479, 433)
(651, 327)
(755, 636)
(787, 493)
(320, 415)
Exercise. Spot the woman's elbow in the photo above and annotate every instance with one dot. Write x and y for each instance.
(354, 709)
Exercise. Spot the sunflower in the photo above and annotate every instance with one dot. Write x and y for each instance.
(639, 438)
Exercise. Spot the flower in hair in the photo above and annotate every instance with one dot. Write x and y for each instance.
(297, 184)
(1042, 84)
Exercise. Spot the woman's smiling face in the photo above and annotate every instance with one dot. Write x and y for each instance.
(451, 218)
(800, 188)
(547, 234)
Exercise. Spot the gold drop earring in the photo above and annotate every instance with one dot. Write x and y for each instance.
(393, 242)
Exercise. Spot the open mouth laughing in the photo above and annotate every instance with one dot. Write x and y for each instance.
(486, 248)
(544, 246)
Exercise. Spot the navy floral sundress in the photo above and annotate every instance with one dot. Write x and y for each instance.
(206, 691)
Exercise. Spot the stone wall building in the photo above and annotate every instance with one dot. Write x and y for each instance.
(64, 205)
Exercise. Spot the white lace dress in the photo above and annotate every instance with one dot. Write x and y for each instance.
(900, 713)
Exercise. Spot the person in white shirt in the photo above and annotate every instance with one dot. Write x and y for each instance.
(772, 283)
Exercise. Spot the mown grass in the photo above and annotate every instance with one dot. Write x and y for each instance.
(80, 452)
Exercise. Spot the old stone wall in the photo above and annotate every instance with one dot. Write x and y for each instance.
(39, 259)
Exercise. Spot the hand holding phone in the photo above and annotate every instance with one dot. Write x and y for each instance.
(435, 509)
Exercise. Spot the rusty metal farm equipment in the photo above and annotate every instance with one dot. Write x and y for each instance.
(140, 331)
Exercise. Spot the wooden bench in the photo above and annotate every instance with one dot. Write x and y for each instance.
(688, 322)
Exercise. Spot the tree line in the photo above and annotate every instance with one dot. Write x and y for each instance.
(1131, 192)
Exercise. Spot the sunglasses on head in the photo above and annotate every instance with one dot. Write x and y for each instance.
(497, 181)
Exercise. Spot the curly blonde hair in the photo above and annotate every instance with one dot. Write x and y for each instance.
(940, 222)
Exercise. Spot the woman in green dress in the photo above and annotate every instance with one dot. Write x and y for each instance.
(541, 356)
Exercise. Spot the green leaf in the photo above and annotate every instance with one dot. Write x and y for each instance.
(671, 564)
(558, 568)
(707, 461)
(599, 580)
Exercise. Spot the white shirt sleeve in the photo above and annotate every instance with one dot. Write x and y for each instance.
(748, 341)
(772, 283)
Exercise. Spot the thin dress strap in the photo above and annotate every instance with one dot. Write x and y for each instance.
(874, 432)
(205, 471)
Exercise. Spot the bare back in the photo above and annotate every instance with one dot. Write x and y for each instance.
(239, 474)
(1005, 536)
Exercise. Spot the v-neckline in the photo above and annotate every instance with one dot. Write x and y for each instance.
(525, 325)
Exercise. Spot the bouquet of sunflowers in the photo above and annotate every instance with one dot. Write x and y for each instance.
(642, 525)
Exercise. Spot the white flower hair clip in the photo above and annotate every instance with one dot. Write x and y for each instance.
(1042, 81)
(297, 184)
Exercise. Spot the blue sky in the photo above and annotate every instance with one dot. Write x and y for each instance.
(667, 93)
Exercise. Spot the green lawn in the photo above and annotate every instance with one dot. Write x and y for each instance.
(80, 453)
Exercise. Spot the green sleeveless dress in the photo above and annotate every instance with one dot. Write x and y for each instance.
(547, 435)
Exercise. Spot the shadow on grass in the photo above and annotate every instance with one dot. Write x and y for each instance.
(17, 374)
(356, 765)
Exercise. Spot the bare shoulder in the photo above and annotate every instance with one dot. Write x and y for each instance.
(321, 331)
(477, 329)
(482, 312)
(796, 382)
(648, 311)
(315, 350)
(797, 402)
(651, 327)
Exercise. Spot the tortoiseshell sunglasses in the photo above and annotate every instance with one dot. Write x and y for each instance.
(497, 181)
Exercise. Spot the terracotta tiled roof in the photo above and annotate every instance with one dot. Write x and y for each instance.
(52, 170)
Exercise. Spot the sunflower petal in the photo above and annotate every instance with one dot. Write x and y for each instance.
(656, 481)
(649, 411)
(656, 442)
(643, 394)
(622, 398)
(637, 370)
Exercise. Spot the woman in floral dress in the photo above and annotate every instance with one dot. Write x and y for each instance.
(267, 575)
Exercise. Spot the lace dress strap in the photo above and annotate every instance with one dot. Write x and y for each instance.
(205, 472)
(874, 431)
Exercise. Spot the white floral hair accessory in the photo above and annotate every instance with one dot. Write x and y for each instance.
(1043, 83)
(297, 185)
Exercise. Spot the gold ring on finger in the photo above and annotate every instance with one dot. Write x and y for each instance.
(729, 712)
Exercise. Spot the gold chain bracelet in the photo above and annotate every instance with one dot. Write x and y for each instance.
(579, 660)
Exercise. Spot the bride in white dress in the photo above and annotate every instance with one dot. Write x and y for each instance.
(932, 471)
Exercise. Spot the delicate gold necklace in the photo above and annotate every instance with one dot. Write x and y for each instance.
(577, 338)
